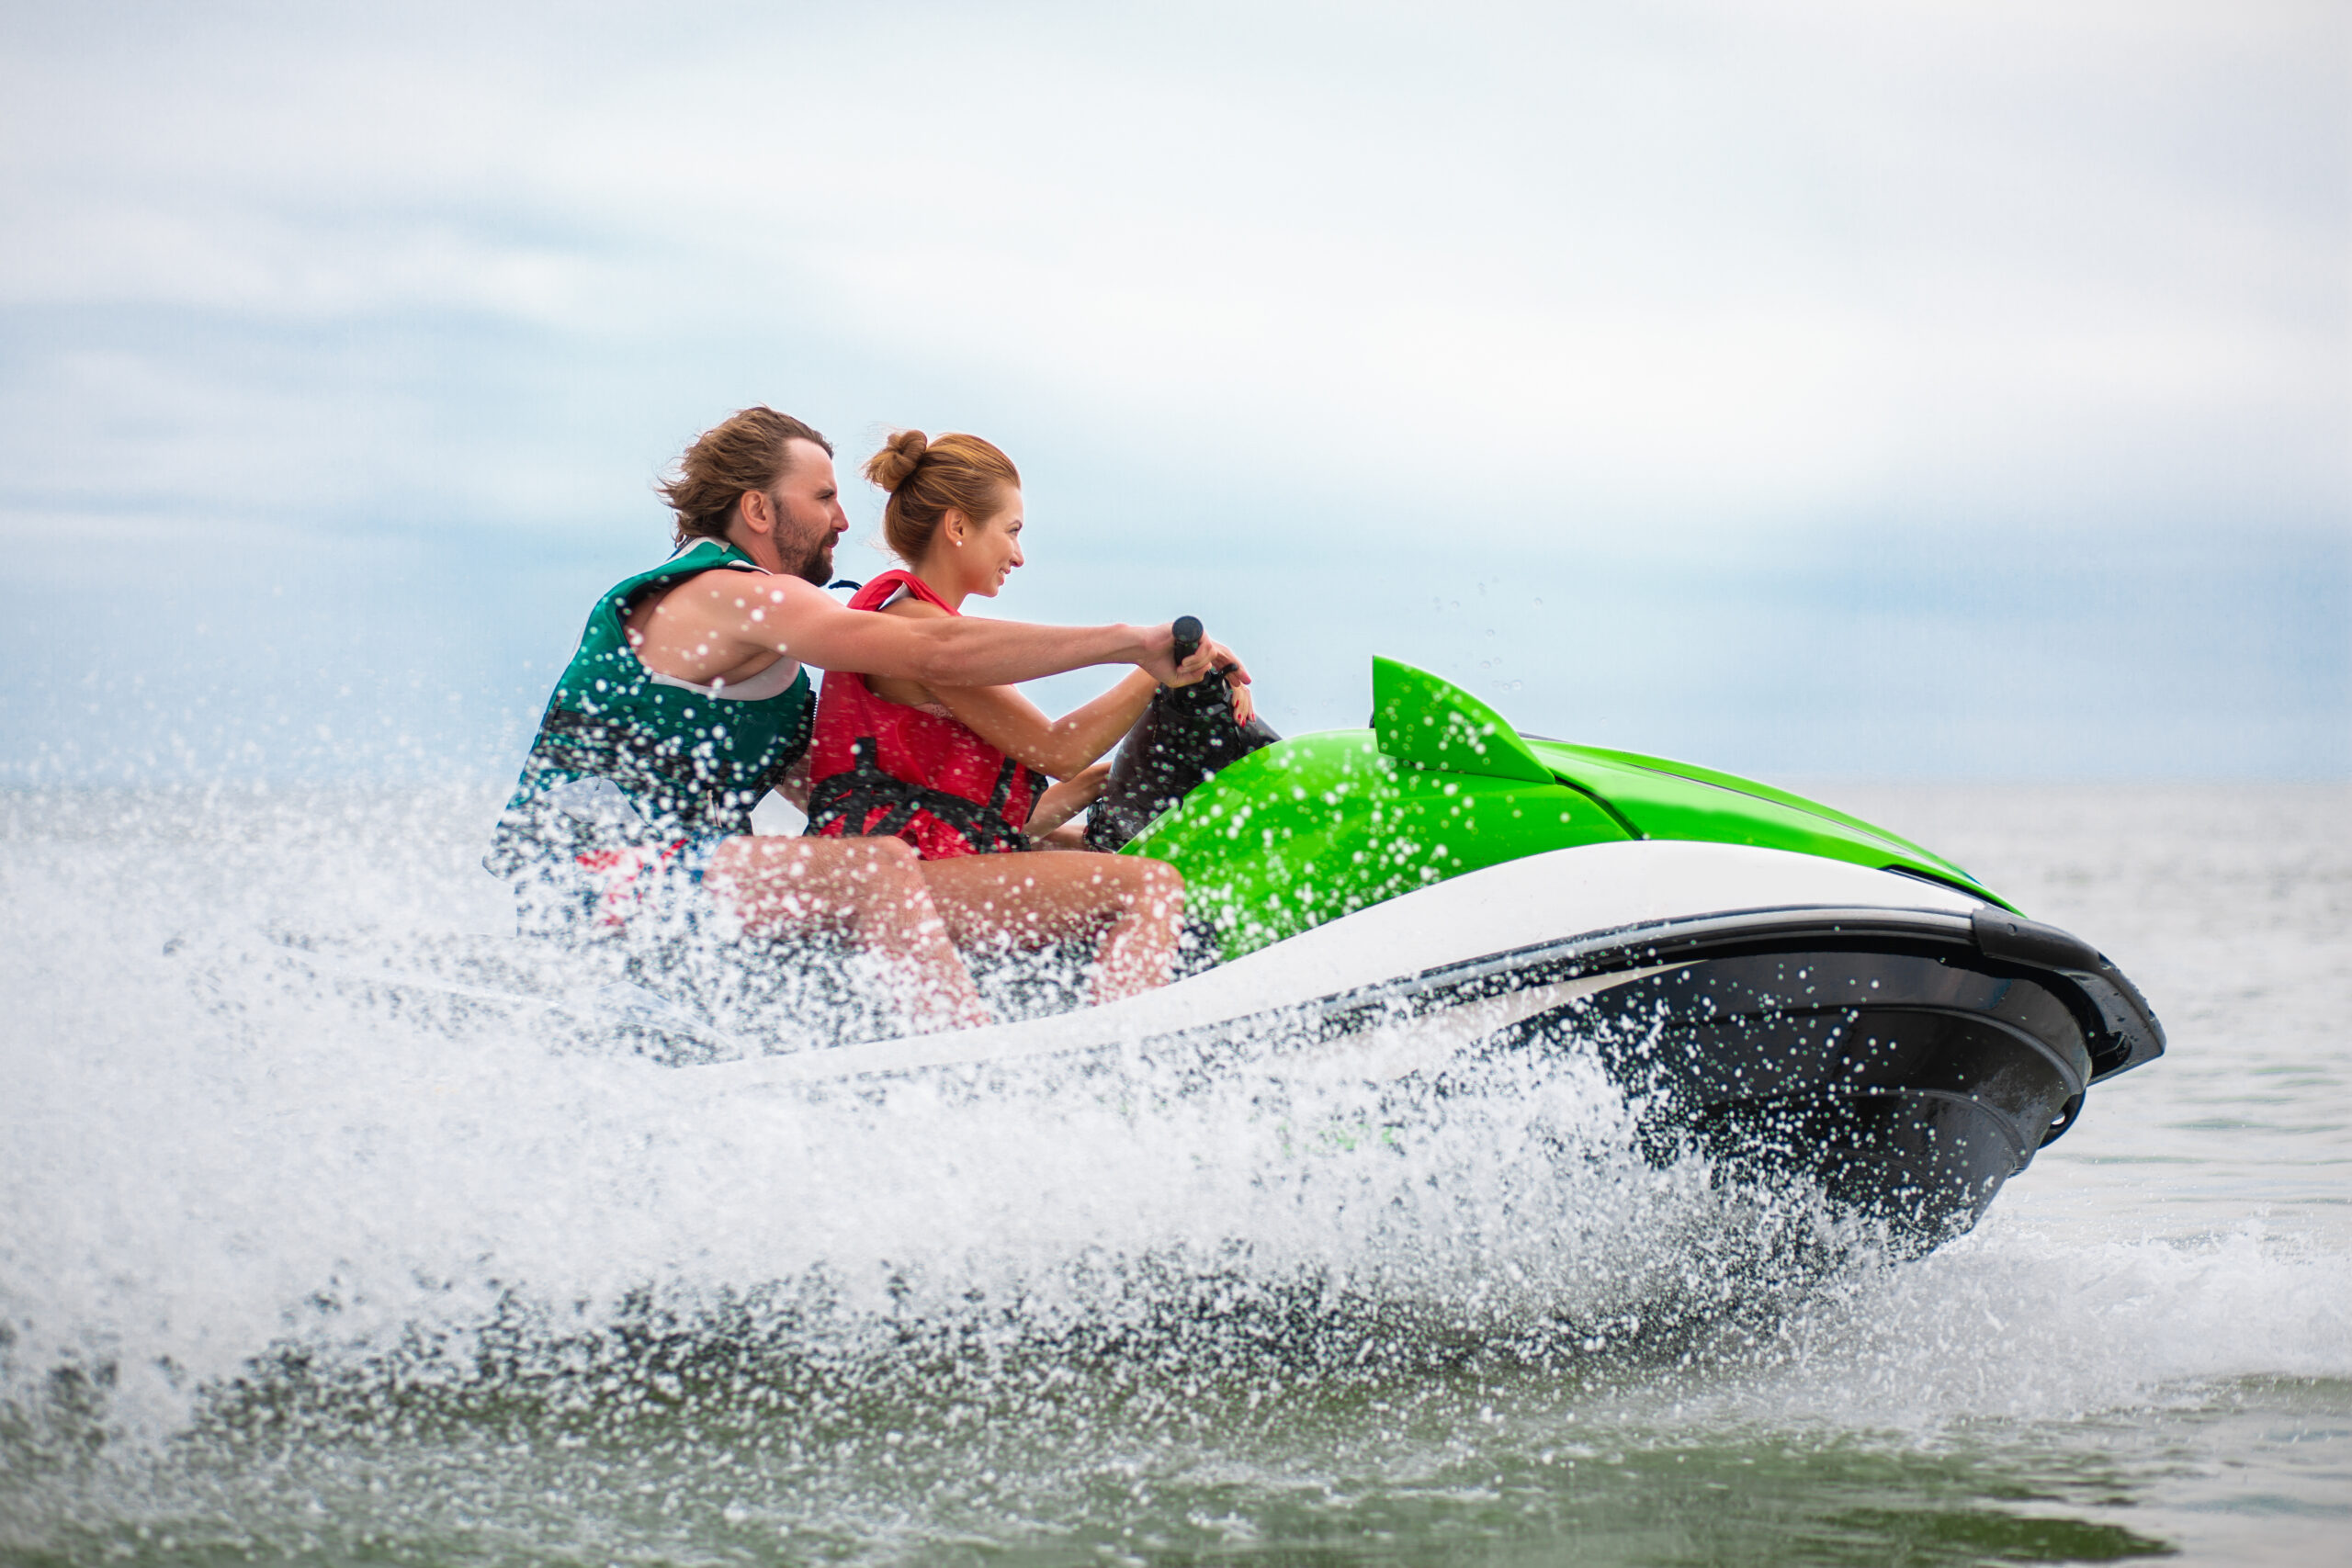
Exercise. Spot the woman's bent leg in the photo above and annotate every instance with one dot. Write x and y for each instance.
(1130, 906)
(872, 890)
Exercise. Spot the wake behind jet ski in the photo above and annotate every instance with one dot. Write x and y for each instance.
(1782, 983)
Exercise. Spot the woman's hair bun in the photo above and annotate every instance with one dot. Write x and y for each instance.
(889, 467)
(927, 479)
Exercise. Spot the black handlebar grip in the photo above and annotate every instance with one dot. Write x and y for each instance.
(1188, 637)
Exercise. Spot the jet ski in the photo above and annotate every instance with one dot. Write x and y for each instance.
(1783, 986)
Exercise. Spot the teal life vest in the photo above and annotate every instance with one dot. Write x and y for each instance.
(688, 763)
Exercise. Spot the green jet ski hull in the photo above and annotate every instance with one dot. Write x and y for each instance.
(1907, 1037)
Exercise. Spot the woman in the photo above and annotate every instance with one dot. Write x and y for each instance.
(961, 772)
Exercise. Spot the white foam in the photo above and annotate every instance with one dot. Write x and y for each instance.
(212, 1150)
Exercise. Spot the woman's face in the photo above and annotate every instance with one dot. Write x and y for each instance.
(990, 550)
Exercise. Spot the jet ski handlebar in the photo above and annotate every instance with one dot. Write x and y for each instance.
(1185, 736)
(1187, 630)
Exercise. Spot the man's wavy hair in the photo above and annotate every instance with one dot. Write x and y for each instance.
(746, 451)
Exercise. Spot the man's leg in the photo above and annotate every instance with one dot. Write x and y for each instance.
(1132, 905)
(871, 889)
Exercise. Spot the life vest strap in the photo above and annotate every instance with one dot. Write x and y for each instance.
(851, 797)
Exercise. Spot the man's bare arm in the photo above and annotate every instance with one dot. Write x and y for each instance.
(804, 621)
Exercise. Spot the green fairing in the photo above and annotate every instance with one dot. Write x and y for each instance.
(1318, 827)
(1426, 722)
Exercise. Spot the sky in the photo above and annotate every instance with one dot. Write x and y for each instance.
(1810, 389)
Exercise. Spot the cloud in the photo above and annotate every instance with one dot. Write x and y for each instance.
(1688, 265)
(1782, 350)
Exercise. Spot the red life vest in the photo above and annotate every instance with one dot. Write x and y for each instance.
(888, 770)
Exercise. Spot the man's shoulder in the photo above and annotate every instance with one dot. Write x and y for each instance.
(722, 596)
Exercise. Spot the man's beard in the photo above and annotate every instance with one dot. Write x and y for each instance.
(817, 565)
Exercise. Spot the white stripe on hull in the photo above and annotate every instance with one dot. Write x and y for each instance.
(1546, 898)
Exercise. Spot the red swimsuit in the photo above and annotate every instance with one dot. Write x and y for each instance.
(890, 769)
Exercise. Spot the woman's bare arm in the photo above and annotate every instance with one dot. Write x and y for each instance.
(1009, 721)
(1065, 800)
(1056, 748)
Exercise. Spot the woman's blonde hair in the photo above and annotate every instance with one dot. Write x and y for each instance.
(926, 479)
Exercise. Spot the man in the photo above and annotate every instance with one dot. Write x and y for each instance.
(686, 701)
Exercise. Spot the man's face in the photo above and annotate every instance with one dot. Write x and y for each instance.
(809, 515)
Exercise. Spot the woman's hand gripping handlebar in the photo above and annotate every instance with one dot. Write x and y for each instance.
(1172, 668)
(1195, 657)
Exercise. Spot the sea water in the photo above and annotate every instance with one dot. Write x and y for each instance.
(298, 1263)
